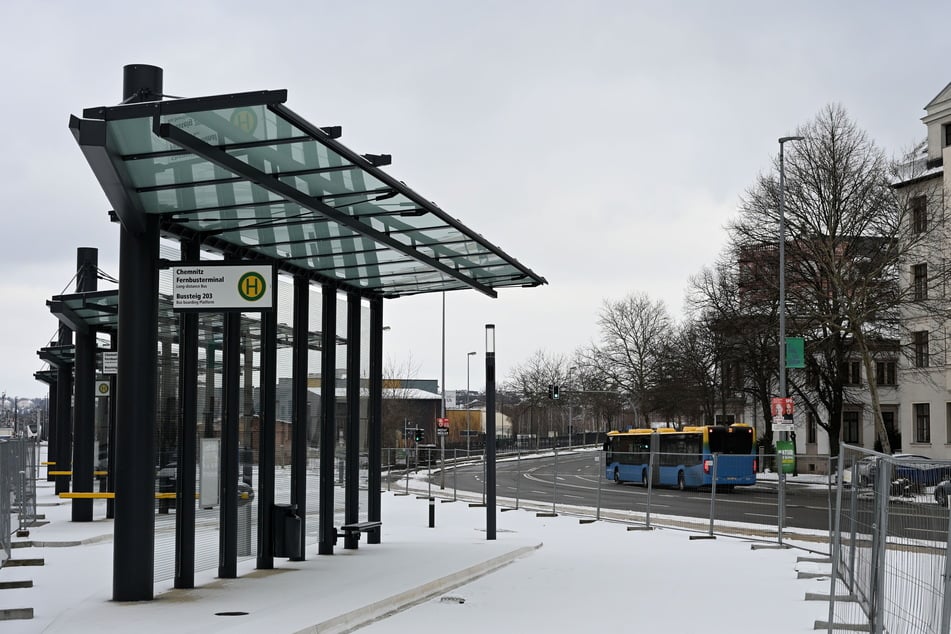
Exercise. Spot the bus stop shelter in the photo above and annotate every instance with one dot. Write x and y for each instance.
(240, 179)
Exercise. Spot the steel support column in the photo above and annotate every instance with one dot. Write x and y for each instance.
(134, 526)
(111, 451)
(134, 545)
(51, 429)
(231, 372)
(64, 414)
(299, 403)
(187, 437)
(266, 431)
(375, 418)
(328, 422)
(351, 510)
(84, 398)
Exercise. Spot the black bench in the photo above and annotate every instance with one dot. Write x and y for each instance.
(351, 532)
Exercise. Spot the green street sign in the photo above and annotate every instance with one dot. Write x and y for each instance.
(795, 352)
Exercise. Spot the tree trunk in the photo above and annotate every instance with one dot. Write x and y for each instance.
(880, 430)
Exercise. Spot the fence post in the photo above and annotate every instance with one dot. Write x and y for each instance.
(837, 539)
(781, 498)
(650, 487)
(876, 610)
(518, 474)
(946, 590)
(554, 482)
(601, 471)
(713, 493)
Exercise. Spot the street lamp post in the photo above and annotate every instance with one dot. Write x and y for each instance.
(782, 323)
(490, 431)
(469, 356)
(570, 370)
(782, 266)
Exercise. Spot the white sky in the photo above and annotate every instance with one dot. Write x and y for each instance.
(602, 144)
(571, 578)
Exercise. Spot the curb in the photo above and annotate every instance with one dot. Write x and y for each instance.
(360, 617)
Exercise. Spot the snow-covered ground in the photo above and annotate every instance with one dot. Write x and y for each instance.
(541, 574)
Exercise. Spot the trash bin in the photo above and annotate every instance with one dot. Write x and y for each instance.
(286, 531)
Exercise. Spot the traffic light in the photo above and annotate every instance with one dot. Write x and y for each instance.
(418, 435)
(551, 391)
(554, 392)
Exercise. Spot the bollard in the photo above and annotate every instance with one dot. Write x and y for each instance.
(432, 512)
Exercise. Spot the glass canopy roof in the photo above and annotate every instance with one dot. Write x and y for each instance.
(253, 180)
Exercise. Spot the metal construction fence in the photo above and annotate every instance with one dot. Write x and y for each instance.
(574, 481)
(18, 461)
(890, 549)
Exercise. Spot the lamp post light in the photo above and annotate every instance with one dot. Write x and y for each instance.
(469, 356)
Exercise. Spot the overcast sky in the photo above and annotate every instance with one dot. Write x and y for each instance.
(602, 144)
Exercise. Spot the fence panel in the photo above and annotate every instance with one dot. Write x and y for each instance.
(891, 546)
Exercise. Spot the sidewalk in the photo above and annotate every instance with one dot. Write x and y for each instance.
(562, 575)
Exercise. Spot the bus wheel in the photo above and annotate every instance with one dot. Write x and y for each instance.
(681, 483)
(617, 477)
(644, 480)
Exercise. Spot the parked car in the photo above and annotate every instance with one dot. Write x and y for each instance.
(861, 471)
(942, 492)
(167, 479)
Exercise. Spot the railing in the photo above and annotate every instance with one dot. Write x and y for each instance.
(891, 557)
(575, 482)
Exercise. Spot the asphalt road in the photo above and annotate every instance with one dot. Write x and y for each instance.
(575, 479)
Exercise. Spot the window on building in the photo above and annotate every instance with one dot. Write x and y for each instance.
(920, 345)
(922, 422)
(919, 276)
(894, 434)
(947, 134)
(850, 428)
(947, 423)
(852, 373)
(811, 428)
(885, 373)
(919, 214)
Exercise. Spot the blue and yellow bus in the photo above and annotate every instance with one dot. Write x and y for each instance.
(683, 458)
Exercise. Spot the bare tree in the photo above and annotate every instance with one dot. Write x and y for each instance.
(850, 242)
(530, 380)
(746, 327)
(633, 333)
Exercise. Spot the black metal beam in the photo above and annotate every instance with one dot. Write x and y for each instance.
(266, 438)
(84, 399)
(375, 419)
(299, 403)
(351, 509)
(328, 419)
(187, 437)
(63, 454)
(231, 379)
(134, 542)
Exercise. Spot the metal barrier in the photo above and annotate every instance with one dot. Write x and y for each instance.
(890, 556)
(18, 462)
(576, 482)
